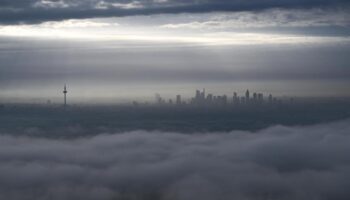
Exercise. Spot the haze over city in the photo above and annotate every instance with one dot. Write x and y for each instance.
(174, 99)
(116, 51)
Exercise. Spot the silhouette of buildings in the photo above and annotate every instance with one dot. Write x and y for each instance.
(159, 99)
(235, 99)
(260, 98)
(255, 98)
(178, 99)
(270, 100)
(210, 98)
(201, 99)
(247, 97)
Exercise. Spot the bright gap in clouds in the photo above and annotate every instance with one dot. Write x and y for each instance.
(242, 28)
(61, 31)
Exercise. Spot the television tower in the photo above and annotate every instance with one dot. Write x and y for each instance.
(65, 95)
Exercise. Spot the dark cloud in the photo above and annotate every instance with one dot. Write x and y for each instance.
(283, 163)
(35, 11)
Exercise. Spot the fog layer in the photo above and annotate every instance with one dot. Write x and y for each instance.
(276, 163)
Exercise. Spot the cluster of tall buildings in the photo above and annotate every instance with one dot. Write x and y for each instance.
(256, 98)
(201, 98)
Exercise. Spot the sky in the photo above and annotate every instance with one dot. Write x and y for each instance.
(118, 50)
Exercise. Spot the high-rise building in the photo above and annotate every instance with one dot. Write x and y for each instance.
(270, 99)
(178, 99)
(224, 100)
(210, 98)
(158, 98)
(200, 97)
(203, 95)
(255, 97)
(260, 98)
(197, 97)
(243, 100)
(235, 98)
(247, 98)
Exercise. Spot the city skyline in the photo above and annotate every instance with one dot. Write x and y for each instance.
(203, 99)
(174, 99)
(200, 98)
(287, 48)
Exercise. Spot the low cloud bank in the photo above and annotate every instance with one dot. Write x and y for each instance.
(283, 163)
(36, 11)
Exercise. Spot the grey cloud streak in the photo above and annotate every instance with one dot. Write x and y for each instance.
(34, 11)
(50, 61)
(282, 163)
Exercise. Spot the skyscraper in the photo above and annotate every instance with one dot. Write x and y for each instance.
(178, 99)
(224, 100)
(210, 98)
(203, 95)
(255, 97)
(198, 96)
(260, 98)
(235, 98)
(159, 99)
(243, 100)
(270, 99)
(247, 96)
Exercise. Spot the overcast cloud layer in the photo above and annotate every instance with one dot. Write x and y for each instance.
(34, 11)
(281, 163)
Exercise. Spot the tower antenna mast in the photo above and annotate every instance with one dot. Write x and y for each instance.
(65, 95)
